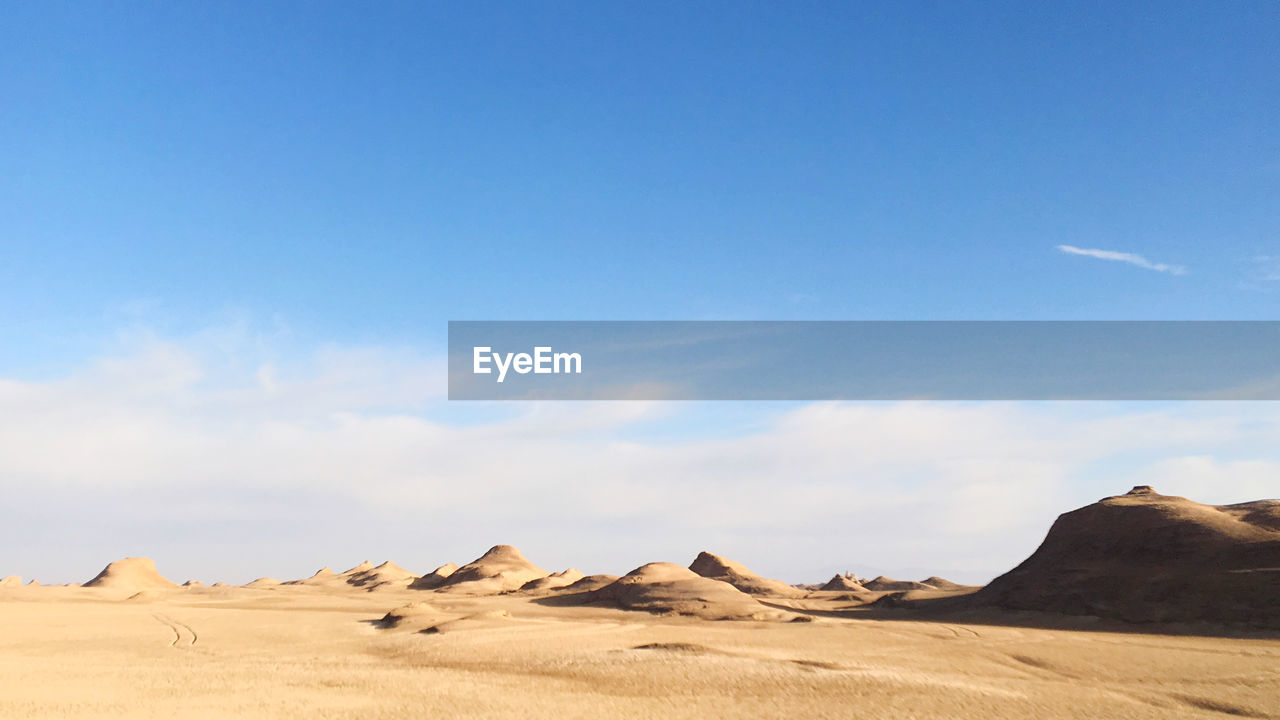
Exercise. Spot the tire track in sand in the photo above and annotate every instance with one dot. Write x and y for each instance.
(183, 635)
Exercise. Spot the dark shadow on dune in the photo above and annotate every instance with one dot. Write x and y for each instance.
(951, 611)
(566, 600)
(677, 647)
(834, 613)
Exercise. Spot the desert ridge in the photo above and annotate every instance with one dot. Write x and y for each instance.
(554, 581)
(711, 588)
(1141, 557)
(435, 578)
(133, 574)
(669, 588)
(502, 568)
(736, 574)
(844, 581)
(1068, 633)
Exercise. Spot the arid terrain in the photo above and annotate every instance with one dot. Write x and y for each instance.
(502, 637)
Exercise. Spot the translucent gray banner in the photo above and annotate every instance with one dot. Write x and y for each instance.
(1075, 360)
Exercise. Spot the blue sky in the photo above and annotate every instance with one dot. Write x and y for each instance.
(222, 222)
(367, 173)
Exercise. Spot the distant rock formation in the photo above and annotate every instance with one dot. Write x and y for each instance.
(888, 584)
(323, 576)
(554, 581)
(718, 568)
(264, 582)
(435, 578)
(845, 582)
(589, 583)
(502, 568)
(668, 588)
(1145, 557)
(134, 574)
(388, 575)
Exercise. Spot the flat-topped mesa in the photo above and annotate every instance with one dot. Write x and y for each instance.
(1147, 557)
(501, 568)
(133, 573)
(736, 574)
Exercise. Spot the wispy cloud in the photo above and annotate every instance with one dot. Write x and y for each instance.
(1124, 257)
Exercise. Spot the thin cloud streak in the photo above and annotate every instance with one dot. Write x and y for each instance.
(1124, 257)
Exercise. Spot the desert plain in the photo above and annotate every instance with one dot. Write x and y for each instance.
(501, 637)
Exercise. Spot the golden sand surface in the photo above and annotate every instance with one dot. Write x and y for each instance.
(321, 652)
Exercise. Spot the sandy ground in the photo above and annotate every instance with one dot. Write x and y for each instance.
(299, 652)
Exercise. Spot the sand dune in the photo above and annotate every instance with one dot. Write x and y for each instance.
(365, 576)
(386, 575)
(1146, 557)
(737, 575)
(413, 616)
(264, 582)
(476, 621)
(435, 578)
(669, 588)
(429, 619)
(322, 654)
(11, 581)
(945, 584)
(554, 581)
(923, 599)
(134, 574)
(589, 583)
(501, 568)
(888, 584)
(323, 577)
(568, 646)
